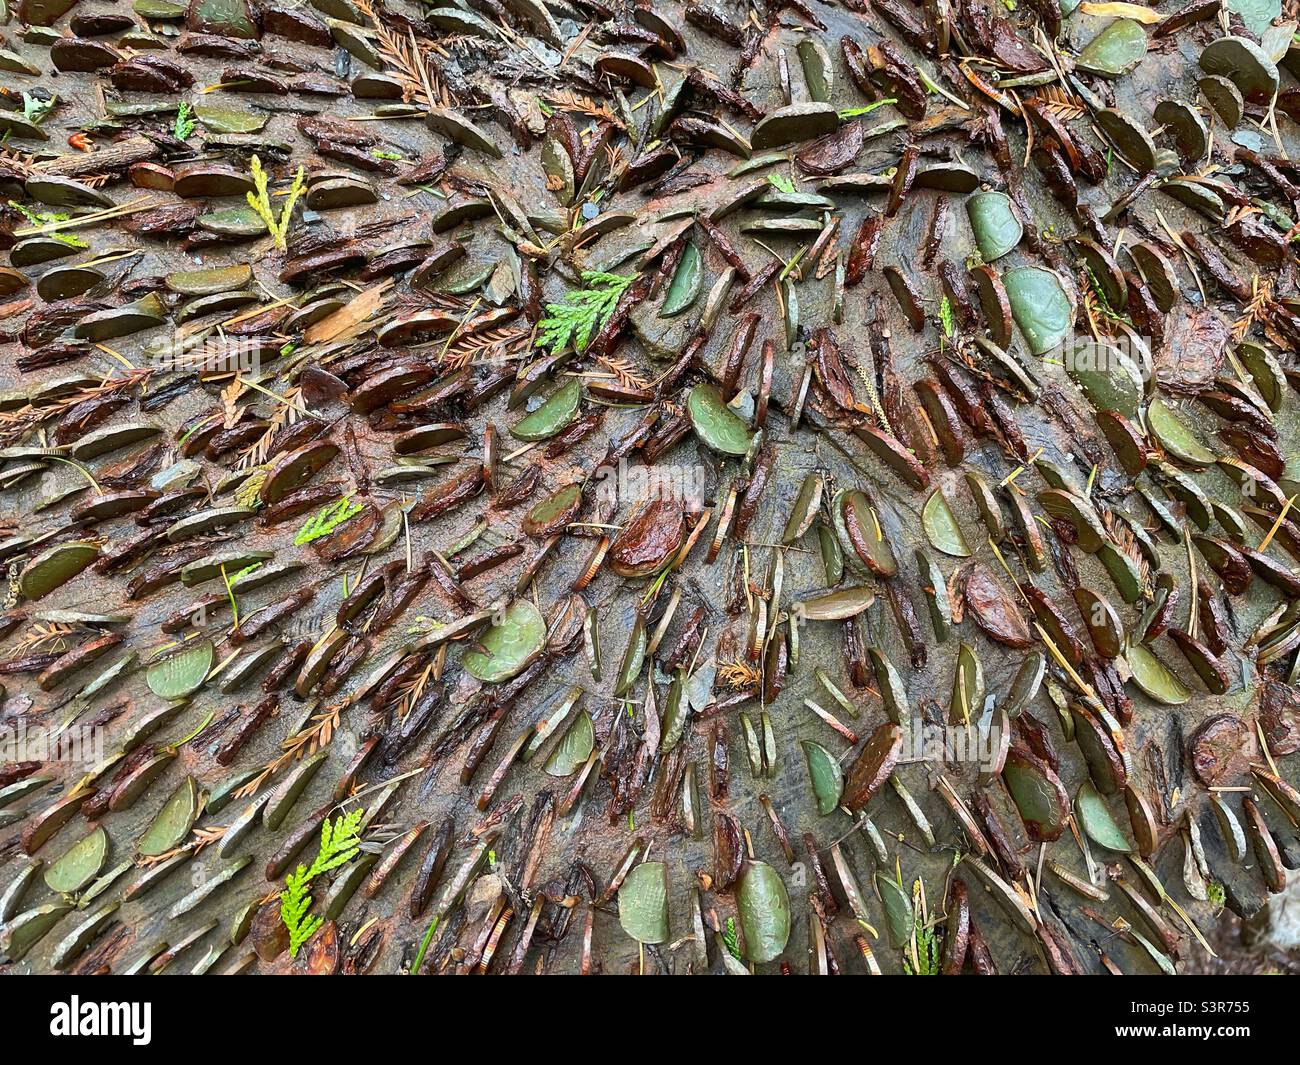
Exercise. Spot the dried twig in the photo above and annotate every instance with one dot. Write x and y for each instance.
(287, 413)
(311, 739)
(491, 345)
(1261, 297)
(16, 424)
(55, 633)
(568, 100)
(1057, 102)
(405, 60)
(623, 369)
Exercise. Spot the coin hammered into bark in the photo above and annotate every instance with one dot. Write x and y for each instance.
(1220, 750)
(649, 540)
(993, 608)
(873, 766)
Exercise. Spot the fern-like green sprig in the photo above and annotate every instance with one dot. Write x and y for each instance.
(947, 318)
(49, 218)
(184, 124)
(730, 940)
(294, 904)
(260, 201)
(924, 961)
(927, 953)
(583, 312)
(326, 520)
(340, 842)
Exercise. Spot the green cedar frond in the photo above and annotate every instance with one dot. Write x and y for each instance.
(924, 961)
(294, 904)
(184, 124)
(326, 520)
(858, 112)
(47, 218)
(260, 201)
(583, 312)
(947, 318)
(340, 842)
(249, 494)
(730, 940)
(927, 953)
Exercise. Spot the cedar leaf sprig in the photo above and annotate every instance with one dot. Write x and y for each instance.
(582, 312)
(49, 218)
(947, 318)
(730, 940)
(340, 842)
(184, 124)
(326, 520)
(922, 959)
(260, 201)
